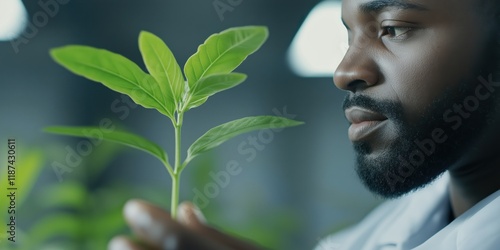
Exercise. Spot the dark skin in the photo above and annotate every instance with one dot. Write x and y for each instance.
(412, 55)
(415, 68)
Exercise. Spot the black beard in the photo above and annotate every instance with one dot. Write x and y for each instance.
(415, 159)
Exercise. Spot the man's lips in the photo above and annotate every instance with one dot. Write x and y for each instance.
(357, 115)
(363, 122)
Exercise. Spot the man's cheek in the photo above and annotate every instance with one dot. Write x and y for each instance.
(413, 94)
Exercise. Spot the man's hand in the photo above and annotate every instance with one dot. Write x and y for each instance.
(155, 229)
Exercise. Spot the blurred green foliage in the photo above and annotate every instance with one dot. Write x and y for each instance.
(272, 228)
(84, 210)
(28, 166)
(80, 212)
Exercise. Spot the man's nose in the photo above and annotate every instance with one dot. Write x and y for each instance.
(357, 71)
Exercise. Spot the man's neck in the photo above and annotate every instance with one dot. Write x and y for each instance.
(471, 184)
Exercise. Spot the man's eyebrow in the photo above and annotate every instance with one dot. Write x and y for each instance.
(379, 5)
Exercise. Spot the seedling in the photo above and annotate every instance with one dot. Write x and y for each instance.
(207, 72)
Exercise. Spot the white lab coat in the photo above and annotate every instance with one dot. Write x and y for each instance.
(419, 221)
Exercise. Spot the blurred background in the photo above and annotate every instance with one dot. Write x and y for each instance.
(298, 187)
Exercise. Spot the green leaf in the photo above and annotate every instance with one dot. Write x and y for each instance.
(218, 135)
(162, 65)
(210, 85)
(51, 226)
(68, 195)
(3, 231)
(28, 167)
(101, 159)
(195, 103)
(106, 223)
(222, 52)
(122, 137)
(115, 72)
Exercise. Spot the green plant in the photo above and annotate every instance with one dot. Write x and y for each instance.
(207, 72)
(28, 166)
(80, 212)
(76, 214)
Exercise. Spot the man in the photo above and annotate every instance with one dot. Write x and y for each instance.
(423, 80)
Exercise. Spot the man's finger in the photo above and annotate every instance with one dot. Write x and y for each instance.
(156, 228)
(123, 243)
(190, 216)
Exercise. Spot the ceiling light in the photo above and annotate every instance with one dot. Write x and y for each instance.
(321, 42)
(13, 18)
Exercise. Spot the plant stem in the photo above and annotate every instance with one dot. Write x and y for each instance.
(175, 195)
(177, 167)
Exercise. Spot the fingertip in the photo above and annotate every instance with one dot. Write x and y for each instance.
(149, 223)
(136, 214)
(186, 203)
(190, 214)
(122, 243)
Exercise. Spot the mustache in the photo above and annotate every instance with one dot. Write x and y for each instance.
(390, 109)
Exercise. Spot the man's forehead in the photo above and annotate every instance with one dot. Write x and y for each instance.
(440, 7)
(379, 5)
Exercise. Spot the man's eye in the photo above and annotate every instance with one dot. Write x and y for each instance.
(396, 32)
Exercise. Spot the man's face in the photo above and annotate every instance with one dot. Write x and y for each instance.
(412, 71)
